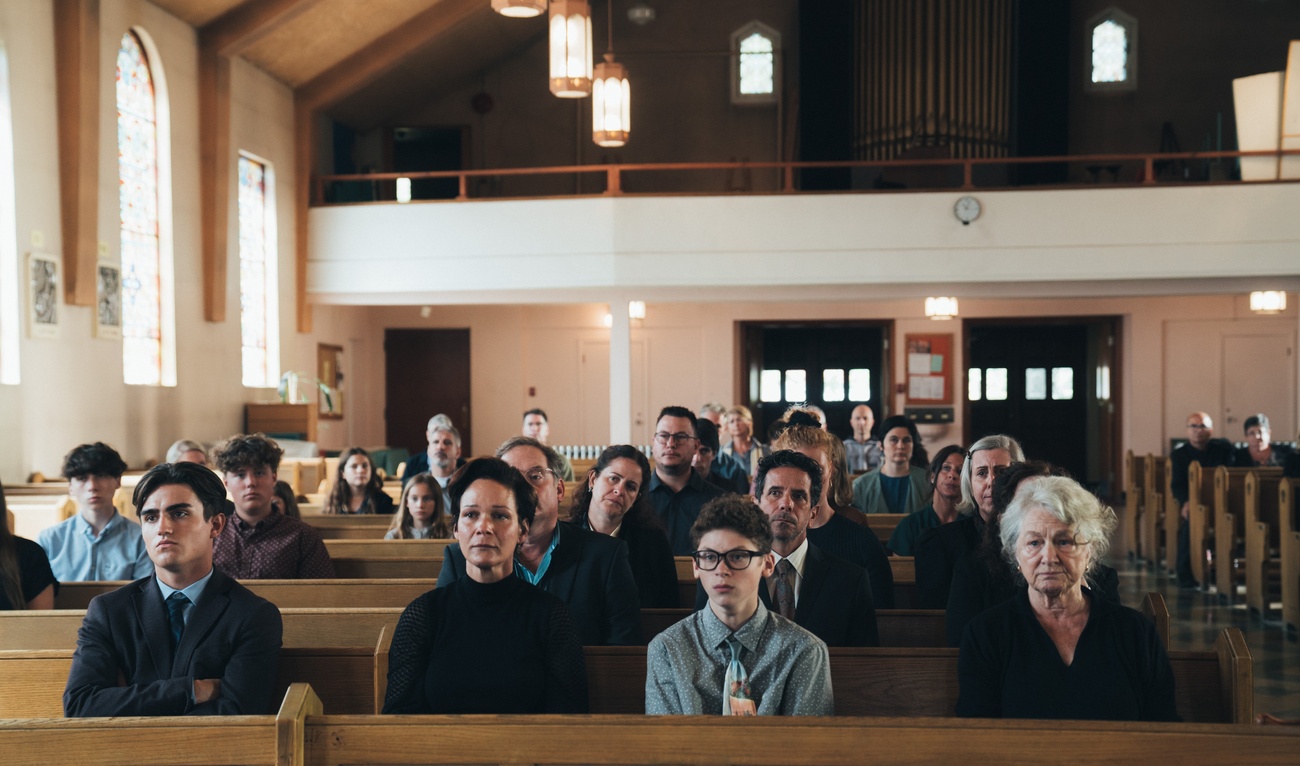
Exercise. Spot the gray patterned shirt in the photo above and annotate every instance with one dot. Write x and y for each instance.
(789, 668)
(863, 456)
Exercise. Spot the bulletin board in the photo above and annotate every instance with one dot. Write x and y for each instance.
(929, 368)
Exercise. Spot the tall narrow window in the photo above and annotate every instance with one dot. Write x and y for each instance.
(1112, 39)
(756, 64)
(258, 307)
(10, 313)
(137, 167)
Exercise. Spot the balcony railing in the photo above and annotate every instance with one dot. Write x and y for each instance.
(1057, 172)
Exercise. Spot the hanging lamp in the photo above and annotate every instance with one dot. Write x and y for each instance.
(519, 9)
(570, 25)
(611, 98)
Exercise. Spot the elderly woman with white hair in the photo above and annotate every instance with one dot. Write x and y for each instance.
(1055, 650)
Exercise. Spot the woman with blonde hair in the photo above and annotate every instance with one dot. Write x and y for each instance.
(743, 446)
(420, 513)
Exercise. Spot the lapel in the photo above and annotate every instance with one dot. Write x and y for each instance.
(563, 571)
(203, 617)
(814, 577)
(151, 613)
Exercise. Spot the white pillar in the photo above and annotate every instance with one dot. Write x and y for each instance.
(620, 374)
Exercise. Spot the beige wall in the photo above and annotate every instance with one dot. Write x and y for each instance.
(72, 389)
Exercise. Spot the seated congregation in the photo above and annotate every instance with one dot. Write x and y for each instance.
(545, 604)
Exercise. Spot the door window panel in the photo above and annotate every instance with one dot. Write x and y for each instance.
(796, 386)
(1062, 383)
(769, 385)
(860, 385)
(832, 385)
(974, 384)
(1036, 383)
(995, 384)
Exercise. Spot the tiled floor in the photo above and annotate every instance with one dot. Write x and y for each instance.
(1196, 618)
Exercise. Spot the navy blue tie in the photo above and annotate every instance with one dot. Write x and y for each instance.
(176, 604)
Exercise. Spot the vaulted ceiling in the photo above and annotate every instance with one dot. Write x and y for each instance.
(362, 61)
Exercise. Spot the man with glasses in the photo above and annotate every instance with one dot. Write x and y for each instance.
(677, 492)
(588, 571)
(736, 657)
(1209, 452)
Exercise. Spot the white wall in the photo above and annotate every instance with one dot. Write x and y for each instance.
(72, 389)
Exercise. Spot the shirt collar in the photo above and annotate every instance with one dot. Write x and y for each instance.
(192, 592)
(84, 526)
(535, 577)
(796, 557)
(715, 633)
(694, 482)
(267, 521)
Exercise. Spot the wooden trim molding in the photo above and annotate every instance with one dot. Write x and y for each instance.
(215, 174)
(76, 46)
(304, 127)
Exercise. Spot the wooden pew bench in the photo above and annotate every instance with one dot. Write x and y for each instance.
(234, 740)
(337, 526)
(1133, 485)
(1263, 527)
(1153, 509)
(1288, 503)
(1200, 518)
(774, 741)
(323, 594)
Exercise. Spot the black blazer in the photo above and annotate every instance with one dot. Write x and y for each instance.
(835, 602)
(937, 552)
(651, 558)
(589, 572)
(125, 665)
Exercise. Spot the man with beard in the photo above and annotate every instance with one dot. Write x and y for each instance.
(440, 458)
(676, 491)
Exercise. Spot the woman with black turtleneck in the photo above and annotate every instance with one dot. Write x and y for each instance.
(489, 642)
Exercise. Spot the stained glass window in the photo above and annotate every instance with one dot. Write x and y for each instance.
(137, 168)
(1109, 52)
(257, 304)
(755, 64)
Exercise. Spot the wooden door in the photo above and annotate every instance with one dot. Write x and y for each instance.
(426, 372)
(1258, 376)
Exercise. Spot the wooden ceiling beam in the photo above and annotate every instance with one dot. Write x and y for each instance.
(234, 31)
(76, 69)
(363, 67)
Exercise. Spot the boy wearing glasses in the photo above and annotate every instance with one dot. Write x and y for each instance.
(677, 492)
(736, 657)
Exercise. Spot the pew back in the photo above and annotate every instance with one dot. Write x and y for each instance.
(1288, 503)
(324, 594)
(1262, 528)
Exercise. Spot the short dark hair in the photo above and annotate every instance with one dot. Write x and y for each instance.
(205, 484)
(245, 451)
(674, 411)
(738, 513)
(96, 459)
(498, 470)
(788, 458)
(936, 465)
(899, 421)
(707, 433)
(552, 458)
(1258, 419)
(536, 411)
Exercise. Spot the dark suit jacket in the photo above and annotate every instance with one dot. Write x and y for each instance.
(125, 665)
(937, 552)
(589, 572)
(651, 559)
(835, 602)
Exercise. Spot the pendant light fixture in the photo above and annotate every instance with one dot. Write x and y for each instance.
(611, 98)
(519, 9)
(570, 25)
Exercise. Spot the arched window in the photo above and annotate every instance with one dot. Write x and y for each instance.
(755, 64)
(258, 304)
(143, 188)
(1112, 41)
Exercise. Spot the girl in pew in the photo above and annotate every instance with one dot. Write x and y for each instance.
(285, 501)
(488, 642)
(26, 580)
(1057, 650)
(420, 513)
(615, 500)
(358, 488)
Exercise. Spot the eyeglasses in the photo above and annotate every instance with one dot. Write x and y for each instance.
(736, 558)
(537, 476)
(663, 437)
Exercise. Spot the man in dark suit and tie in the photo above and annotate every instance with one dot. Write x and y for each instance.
(187, 640)
(588, 571)
(823, 594)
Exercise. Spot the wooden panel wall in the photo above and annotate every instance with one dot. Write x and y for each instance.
(932, 73)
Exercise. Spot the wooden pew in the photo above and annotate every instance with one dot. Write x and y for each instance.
(376, 549)
(322, 594)
(707, 740)
(1153, 509)
(883, 524)
(1173, 517)
(336, 526)
(898, 627)
(233, 740)
(1229, 527)
(1288, 503)
(1262, 539)
(1200, 494)
(1133, 485)
(343, 677)
(1210, 687)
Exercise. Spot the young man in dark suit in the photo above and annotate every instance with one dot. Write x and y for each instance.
(187, 640)
(824, 594)
(588, 571)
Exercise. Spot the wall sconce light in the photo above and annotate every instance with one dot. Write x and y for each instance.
(636, 310)
(941, 308)
(570, 48)
(519, 9)
(1268, 301)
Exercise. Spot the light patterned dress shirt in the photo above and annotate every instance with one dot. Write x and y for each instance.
(789, 668)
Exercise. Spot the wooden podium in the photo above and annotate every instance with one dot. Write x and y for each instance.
(282, 419)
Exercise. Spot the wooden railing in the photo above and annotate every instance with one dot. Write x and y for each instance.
(1148, 167)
